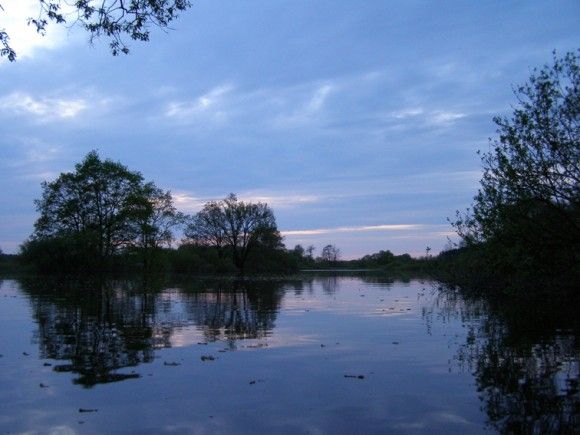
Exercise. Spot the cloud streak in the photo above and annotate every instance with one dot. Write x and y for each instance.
(206, 106)
(355, 229)
(43, 107)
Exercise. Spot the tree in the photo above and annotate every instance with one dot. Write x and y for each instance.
(96, 202)
(529, 200)
(299, 251)
(98, 210)
(207, 228)
(330, 253)
(113, 19)
(154, 219)
(236, 225)
(310, 251)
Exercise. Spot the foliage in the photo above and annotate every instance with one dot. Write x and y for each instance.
(236, 226)
(154, 219)
(330, 254)
(526, 213)
(113, 19)
(99, 210)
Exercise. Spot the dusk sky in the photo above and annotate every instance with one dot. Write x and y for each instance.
(357, 121)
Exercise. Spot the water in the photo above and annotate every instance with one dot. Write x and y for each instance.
(322, 355)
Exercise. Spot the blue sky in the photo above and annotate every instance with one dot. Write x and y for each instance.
(358, 122)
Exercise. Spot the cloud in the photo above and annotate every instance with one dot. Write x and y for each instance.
(429, 117)
(42, 107)
(280, 200)
(407, 113)
(356, 229)
(443, 118)
(206, 106)
(189, 202)
(308, 111)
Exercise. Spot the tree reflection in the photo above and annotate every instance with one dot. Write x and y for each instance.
(100, 327)
(234, 310)
(524, 359)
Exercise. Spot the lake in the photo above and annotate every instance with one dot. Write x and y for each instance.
(317, 354)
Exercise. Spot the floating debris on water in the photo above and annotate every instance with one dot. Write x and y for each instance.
(355, 376)
(88, 410)
(207, 358)
(171, 364)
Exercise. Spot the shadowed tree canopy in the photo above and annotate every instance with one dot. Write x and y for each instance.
(234, 225)
(535, 161)
(330, 253)
(101, 208)
(113, 19)
(527, 210)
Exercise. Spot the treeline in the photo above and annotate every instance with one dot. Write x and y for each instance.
(522, 234)
(329, 259)
(105, 217)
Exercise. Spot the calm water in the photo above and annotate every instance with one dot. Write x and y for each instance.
(332, 355)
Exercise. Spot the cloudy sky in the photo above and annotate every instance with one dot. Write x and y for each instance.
(357, 121)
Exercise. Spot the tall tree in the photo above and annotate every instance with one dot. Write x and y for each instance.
(330, 253)
(240, 226)
(96, 201)
(528, 205)
(99, 209)
(154, 217)
(113, 19)
(207, 228)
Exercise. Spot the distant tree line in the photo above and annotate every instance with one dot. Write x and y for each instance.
(385, 261)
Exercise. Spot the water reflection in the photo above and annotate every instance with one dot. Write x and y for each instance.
(233, 310)
(98, 327)
(524, 360)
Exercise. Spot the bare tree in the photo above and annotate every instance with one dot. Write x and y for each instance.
(330, 253)
(236, 225)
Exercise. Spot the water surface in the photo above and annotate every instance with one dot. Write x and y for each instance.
(326, 354)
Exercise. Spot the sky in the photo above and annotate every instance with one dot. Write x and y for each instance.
(357, 122)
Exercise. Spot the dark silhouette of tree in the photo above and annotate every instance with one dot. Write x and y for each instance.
(113, 19)
(155, 217)
(95, 202)
(240, 226)
(208, 227)
(101, 208)
(330, 253)
(528, 206)
(299, 250)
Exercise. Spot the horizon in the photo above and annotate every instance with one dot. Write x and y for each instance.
(320, 110)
